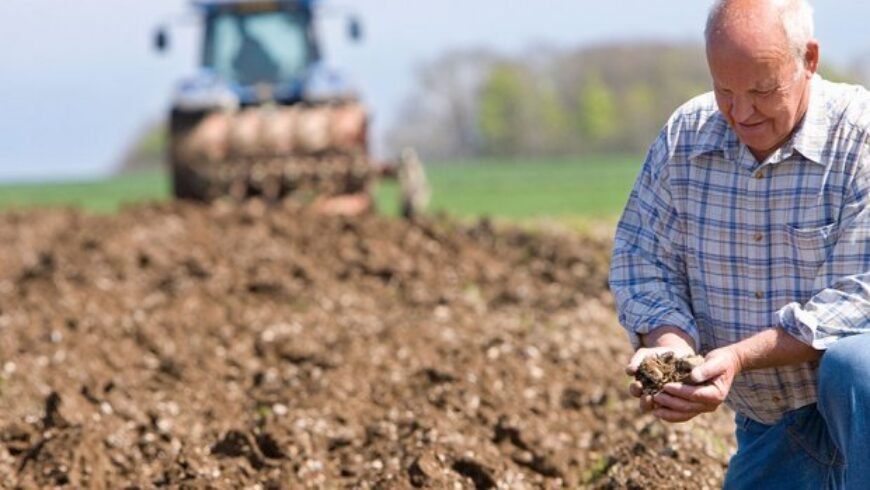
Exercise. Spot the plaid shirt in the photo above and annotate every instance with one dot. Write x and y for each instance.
(722, 247)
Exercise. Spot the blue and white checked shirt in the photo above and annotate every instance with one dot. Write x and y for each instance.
(722, 247)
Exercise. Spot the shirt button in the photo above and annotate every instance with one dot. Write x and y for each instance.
(758, 237)
(759, 294)
(759, 174)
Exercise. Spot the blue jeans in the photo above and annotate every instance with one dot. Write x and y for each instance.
(825, 445)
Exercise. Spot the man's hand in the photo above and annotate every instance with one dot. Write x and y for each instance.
(679, 402)
(661, 340)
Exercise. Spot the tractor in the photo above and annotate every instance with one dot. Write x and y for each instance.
(264, 116)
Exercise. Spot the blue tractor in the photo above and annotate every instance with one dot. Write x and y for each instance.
(264, 116)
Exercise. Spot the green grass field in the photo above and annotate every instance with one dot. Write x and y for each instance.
(100, 195)
(593, 188)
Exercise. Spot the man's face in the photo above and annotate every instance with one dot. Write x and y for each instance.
(763, 92)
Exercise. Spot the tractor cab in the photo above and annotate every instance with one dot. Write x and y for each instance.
(249, 48)
(261, 51)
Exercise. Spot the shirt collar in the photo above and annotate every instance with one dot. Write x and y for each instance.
(813, 131)
(717, 136)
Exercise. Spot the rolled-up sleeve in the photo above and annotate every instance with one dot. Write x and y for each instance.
(647, 274)
(840, 305)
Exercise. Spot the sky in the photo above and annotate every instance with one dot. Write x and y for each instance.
(80, 80)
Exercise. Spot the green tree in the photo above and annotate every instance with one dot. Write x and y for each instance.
(642, 116)
(501, 109)
(596, 110)
(554, 122)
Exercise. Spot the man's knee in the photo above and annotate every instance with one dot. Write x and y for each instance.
(846, 364)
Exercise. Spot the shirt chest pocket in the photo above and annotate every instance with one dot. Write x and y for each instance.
(808, 248)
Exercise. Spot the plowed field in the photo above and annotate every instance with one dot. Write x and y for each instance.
(183, 346)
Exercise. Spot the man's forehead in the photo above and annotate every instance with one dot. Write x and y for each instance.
(730, 55)
(761, 72)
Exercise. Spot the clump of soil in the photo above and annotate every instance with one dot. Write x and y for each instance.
(658, 370)
(184, 346)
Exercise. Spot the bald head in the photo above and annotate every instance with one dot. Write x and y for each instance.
(786, 24)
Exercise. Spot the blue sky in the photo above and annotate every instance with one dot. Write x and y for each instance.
(78, 79)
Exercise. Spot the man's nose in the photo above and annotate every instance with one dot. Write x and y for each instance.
(742, 107)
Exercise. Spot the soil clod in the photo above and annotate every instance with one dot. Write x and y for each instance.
(658, 370)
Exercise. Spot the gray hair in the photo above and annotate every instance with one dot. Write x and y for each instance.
(797, 22)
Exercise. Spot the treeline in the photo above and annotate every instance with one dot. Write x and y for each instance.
(610, 98)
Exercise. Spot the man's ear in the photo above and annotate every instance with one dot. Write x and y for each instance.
(811, 60)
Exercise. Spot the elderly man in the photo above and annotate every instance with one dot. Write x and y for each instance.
(747, 238)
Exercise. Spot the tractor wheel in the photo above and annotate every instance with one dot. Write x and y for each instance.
(186, 184)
